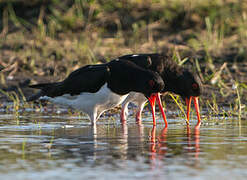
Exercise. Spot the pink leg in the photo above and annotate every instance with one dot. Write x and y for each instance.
(124, 113)
(139, 113)
(138, 116)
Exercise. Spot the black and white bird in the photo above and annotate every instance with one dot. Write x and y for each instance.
(177, 80)
(94, 89)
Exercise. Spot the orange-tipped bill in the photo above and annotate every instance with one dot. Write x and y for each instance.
(196, 103)
(161, 109)
(151, 100)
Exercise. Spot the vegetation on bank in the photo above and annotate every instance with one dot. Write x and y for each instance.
(50, 38)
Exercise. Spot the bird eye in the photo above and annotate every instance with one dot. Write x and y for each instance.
(194, 86)
(151, 83)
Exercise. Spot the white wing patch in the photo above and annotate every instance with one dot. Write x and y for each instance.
(134, 55)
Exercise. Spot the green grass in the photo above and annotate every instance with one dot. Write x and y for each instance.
(93, 28)
(53, 38)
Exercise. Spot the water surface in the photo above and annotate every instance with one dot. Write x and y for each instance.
(68, 147)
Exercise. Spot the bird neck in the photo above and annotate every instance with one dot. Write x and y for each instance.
(172, 76)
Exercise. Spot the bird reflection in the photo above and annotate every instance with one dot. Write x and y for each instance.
(95, 144)
(128, 141)
(158, 146)
(139, 127)
(195, 141)
(133, 145)
(159, 143)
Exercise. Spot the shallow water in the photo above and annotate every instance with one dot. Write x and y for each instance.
(65, 147)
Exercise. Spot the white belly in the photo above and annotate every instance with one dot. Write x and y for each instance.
(136, 98)
(91, 103)
(102, 100)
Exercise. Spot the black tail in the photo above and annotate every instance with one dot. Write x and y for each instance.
(43, 86)
(49, 89)
(45, 89)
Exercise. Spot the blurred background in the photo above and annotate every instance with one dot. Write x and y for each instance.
(47, 39)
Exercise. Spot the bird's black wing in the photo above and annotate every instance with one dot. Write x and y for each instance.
(142, 60)
(154, 62)
(89, 78)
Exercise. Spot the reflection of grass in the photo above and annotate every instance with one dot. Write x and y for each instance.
(23, 149)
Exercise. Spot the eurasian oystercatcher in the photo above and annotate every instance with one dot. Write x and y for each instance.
(176, 78)
(94, 89)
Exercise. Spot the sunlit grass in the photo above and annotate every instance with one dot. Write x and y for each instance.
(58, 38)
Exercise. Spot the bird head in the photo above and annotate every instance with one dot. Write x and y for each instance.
(154, 84)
